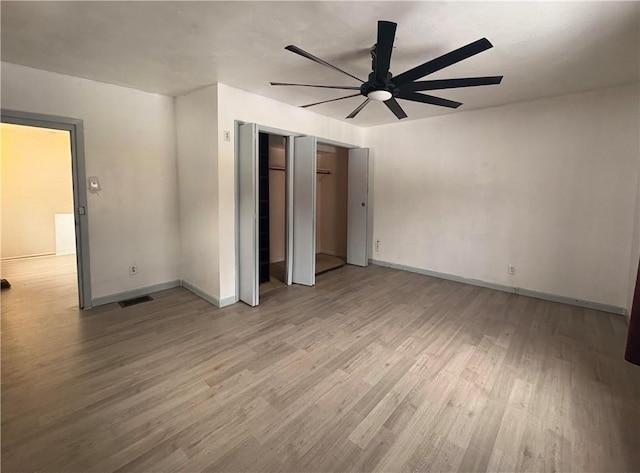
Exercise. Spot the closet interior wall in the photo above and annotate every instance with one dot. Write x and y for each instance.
(331, 200)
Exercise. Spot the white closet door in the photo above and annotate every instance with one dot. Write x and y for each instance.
(289, 210)
(248, 212)
(304, 210)
(358, 202)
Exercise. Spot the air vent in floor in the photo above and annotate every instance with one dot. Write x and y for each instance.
(135, 300)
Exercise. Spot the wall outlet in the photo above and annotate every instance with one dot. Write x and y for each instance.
(133, 269)
(511, 270)
(226, 134)
(378, 244)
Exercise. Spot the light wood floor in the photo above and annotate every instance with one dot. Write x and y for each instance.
(371, 370)
(324, 263)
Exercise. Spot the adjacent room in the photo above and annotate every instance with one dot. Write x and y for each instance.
(320, 236)
(38, 229)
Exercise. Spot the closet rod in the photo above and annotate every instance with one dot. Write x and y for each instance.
(282, 168)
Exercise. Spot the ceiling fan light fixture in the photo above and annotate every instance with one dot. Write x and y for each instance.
(379, 95)
(382, 86)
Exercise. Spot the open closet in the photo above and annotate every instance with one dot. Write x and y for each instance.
(332, 180)
(301, 208)
(271, 212)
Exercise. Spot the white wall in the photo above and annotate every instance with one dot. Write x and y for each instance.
(549, 186)
(65, 229)
(130, 145)
(235, 104)
(635, 251)
(197, 130)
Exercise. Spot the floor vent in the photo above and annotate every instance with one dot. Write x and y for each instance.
(135, 300)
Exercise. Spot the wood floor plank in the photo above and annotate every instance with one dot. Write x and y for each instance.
(372, 369)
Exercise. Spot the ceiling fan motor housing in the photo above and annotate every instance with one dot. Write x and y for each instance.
(372, 85)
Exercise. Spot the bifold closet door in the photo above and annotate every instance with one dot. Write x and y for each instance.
(304, 210)
(248, 212)
(288, 192)
(357, 207)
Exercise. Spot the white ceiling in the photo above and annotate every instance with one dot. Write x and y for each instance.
(542, 48)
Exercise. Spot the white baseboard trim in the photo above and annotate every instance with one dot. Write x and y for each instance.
(36, 255)
(189, 286)
(500, 287)
(229, 300)
(220, 303)
(121, 296)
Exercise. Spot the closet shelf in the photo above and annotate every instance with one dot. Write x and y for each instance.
(282, 168)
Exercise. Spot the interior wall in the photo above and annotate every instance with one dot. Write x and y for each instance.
(235, 104)
(331, 202)
(635, 249)
(277, 202)
(130, 145)
(548, 186)
(36, 185)
(197, 145)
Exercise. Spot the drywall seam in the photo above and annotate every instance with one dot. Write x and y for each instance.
(500, 287)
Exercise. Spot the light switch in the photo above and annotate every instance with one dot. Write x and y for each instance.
(94, 184)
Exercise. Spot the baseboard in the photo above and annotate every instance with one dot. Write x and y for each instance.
(37, 255)
(229, 300)
(120, 296)
(500, 287)
(220, 303)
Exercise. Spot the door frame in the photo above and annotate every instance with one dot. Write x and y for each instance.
(75, 128)
(289, 136)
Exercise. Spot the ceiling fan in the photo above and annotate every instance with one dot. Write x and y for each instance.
(382, 86)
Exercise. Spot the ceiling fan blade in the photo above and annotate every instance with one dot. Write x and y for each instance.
(384, 48)
(297, 50)
(430, 99)
(443, 61)
(393, 105)
(450, 83)
(360, 107)
(332, 100)
(320, 86)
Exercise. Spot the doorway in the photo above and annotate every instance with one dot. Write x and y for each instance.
(44, 227)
